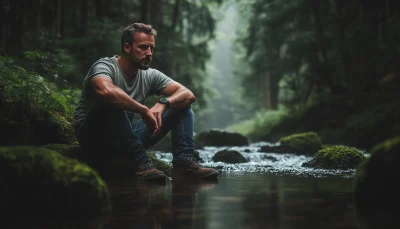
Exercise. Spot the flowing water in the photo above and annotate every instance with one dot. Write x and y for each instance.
(270, 191)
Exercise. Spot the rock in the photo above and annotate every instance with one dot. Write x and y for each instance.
(160, 164)
(220, 138)
(392, 144)
(42, 187)
(302, 143)
(229, 156)
(24, 124)
(336, 157)
(109, 166)
(375, 191)
(196, 155)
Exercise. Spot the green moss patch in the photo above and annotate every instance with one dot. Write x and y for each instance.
(308, 142)
(336, 157)
(42, 187)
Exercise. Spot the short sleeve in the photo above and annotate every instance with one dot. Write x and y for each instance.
(100, 68)
(159, 81)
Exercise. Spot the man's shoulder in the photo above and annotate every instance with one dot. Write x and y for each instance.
(105, 60)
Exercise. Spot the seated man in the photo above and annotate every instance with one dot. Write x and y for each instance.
(118, 86)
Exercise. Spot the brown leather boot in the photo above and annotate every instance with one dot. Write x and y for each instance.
(190, 167)
(145, 170)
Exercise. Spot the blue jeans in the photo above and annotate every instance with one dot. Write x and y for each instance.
(108, 129)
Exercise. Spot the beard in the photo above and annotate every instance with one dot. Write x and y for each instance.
(142, 64)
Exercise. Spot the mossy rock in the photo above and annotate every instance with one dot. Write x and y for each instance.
(336, 157)
(392, 144)
(229, 156)
(160, 164)
(376, 192)
(24, 124)
(217, 137)
(103, 163)
(45, 188)
(302, 143)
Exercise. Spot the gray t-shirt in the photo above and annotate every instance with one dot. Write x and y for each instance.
(147, 82)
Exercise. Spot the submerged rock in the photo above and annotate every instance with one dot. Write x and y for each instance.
(336, 157)
(229, 156)
(220, 138)
(42, 187)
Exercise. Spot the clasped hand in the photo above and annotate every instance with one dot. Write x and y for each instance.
(153, 120)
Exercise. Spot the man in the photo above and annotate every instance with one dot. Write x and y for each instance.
(117, 86)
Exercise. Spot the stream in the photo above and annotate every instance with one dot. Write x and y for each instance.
(270, 191)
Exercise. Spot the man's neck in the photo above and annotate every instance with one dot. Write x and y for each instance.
(127, 67)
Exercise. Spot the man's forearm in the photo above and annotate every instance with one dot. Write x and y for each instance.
(117, 97)
(181, 99)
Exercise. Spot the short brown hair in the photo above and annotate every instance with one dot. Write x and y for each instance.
(129, 32)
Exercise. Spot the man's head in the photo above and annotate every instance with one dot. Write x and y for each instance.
(137, 43)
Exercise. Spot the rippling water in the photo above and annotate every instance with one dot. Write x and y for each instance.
(270, 191)
(276, 163)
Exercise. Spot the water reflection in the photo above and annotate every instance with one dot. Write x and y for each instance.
(237, 200)
(138, 204)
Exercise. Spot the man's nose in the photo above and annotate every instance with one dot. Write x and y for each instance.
(149, 52)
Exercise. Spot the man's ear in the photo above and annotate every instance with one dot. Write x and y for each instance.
(127, 48)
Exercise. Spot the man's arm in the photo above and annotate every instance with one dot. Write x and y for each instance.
(178, 95)
(106, 90)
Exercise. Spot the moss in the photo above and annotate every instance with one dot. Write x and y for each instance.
(336, 157)
(392, 144)
(160, 164)
(44, 187)
(308, 142)
(22, 123)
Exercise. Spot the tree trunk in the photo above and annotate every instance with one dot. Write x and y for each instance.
(84, 18)
(323, 71)
(175, 15)
(99, 9)
(5, 26)
(38, 16)
(15, 32)
(60, 19)
(273, 92)
(144, 8)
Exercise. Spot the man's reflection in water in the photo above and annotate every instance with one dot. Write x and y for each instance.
(142, 205)
(184, 191)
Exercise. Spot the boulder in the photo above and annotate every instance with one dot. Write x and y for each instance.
(336, 157)
(229, 156)
(302, 143)
(24, 124)
(375, 191)
(109, 166)
(217, 137)
(42, 187)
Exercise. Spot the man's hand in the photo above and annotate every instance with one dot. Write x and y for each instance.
(157, 110)
(151, 122)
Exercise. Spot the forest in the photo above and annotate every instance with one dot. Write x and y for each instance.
(324, 66)
(297, 114)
